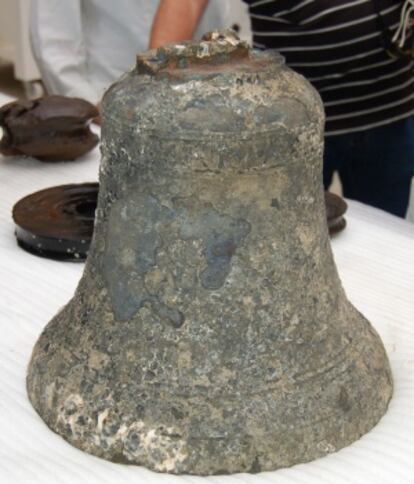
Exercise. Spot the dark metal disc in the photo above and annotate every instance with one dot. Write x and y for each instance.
(57, 222)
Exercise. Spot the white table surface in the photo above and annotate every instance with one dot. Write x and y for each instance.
(375, 258)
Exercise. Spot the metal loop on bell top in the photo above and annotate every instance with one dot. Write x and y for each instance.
(214, 48)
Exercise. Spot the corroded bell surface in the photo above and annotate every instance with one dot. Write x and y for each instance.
(210, 332)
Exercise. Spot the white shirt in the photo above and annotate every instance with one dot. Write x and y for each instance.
(83, 46)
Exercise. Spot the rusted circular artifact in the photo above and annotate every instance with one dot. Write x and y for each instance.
(57, 223)
(335, 209)
(52, 128)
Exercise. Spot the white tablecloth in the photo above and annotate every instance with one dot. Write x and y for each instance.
(375, 257)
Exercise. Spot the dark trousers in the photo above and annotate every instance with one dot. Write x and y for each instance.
(375, 166)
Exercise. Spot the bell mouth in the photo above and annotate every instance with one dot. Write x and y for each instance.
(201, 429)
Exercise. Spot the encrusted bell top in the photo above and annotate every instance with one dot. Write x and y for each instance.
(210, 332)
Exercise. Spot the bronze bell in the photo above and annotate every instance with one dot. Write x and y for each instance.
(210, 332)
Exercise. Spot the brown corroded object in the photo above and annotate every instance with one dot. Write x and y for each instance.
(335, 210)
(210, 332)
(57, 222)
(52, 128)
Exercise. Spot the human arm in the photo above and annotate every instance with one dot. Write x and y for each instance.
(58, 47)
(176, 20)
